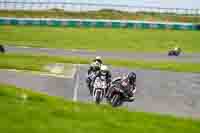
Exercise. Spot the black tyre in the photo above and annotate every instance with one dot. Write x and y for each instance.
(178, 53)
(2, 50)
(170, 53)
(115, 101)
(98, 97)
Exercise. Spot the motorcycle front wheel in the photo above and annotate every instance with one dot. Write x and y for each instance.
(115, 101)
(98, 97)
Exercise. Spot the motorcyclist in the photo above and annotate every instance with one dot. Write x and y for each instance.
(98, 59)
(95, 65)
(92, 72)
(128, 84)
(104, 71)
(177, 49)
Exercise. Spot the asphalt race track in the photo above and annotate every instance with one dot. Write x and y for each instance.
(51, 85)
(164, 92)
(114, 55)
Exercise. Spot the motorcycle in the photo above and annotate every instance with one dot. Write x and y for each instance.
(99, 89)
(174, 52)
(118, 95)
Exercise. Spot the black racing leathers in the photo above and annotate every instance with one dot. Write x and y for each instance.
(129, 89)
(92, 72)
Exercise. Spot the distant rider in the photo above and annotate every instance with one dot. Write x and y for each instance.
(128, 84)
(177, 49)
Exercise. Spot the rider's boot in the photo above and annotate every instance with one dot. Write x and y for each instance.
(90, 89)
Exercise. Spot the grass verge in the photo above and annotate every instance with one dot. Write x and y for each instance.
(31, 62)
(103, 14)
(100, 39)
(39, 113)
(26, 62)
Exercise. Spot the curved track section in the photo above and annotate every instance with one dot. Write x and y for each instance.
(158, 91)
(113, 55)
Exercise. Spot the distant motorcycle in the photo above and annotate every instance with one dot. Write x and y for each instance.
(99, 88)
(118, 95)
(174, 52)
(2, 50)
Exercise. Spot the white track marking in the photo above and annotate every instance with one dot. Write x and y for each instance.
(43, 73)
(73, 71)
(23, 47)
(75, 95)
(74, 50)
(44, 48)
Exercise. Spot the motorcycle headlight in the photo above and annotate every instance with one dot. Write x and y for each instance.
(120, 90)
(124, 84)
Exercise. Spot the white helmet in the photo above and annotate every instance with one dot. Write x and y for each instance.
(176, 48)
(104, 68)
(95, 64)
(98, 58)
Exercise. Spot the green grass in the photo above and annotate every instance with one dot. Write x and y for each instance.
(100, 39)
(103, 14)
(31, 62)
(157, 65)
(39, 113)
(23, 62)
(26, 62)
